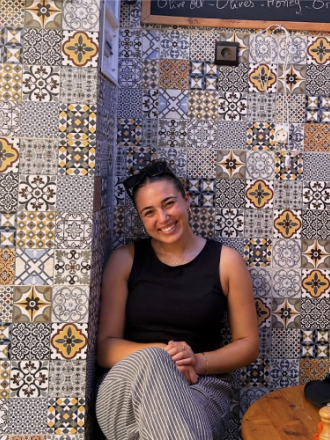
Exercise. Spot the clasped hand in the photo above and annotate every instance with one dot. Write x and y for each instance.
(184, 358)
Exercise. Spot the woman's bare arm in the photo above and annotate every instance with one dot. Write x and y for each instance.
(111, 347)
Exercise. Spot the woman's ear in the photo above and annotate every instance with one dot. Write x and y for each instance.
(187, 199)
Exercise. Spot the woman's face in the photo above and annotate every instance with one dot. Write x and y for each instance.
(162, 210)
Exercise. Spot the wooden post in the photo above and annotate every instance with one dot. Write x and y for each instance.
(325, 418)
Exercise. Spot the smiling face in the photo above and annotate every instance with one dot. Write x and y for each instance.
(163, 210)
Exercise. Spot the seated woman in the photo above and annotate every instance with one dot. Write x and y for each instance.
(163, 299)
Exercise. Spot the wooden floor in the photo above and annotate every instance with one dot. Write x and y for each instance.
(283, 414)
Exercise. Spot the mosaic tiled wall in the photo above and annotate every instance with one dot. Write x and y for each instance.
(217, 127)
(55, 194)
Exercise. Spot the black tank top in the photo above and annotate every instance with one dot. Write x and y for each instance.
(181, 303)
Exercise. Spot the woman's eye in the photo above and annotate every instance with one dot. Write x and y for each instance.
(169, 203)
(147, 213)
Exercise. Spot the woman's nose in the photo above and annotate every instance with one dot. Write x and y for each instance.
(163, 215)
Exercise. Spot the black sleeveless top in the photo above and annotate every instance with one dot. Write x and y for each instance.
(180, 303)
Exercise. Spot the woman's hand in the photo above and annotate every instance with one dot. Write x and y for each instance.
(184, 358)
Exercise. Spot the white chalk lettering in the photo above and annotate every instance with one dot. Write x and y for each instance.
(196, 4)
(235, 4)
(173, 4)
(285, 4)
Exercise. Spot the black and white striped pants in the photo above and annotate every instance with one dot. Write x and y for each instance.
(145, 397)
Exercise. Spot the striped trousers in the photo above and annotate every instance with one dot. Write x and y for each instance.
(145, 397)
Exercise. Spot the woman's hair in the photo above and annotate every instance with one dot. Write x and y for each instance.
(155, 171)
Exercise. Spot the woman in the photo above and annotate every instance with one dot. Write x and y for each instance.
(163, 299)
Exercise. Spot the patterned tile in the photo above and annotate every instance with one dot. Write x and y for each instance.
(256, 374)
(233, 79)
(286, 253)
(261, 107)
(176, 158)
(11, 82)
(32, 304)
(4, 379)
(7, 266)
(202, 221)
(41, 83)
(149, 130)
(12, 13)
(150, 43)
(233, 106)
(80, 48)
(315, 254)
(28, 416)
(10, 115)
(238, 37)
(296, 136)
(75, 193)
(11, 43)
(42, 47)
(130, 72)
(81, 16)
(258, 223)
(202, 163)
(29, 379)
(231, 164)
(265, 342)
(152, 102)
(262, 282)
(259, 194)
(316, 195)
(317, 137)
(174, 74)
(34, 266)
(314, 344)
(286, 283)
(65, 378)
(78, 121)
(5, 340)
(38, 156)
(285, 343)
(72, 267)
(286, 313)
(263, 78)
(260, 165)
(70, 304)
(284, 373)
(202, 43)
(77, 157)
(73, 230)
(249, 396)
(288, 194)
(203, 75)
(174, 44)
(6, 303)
(138, 157)
(129, 103)
(294, 171)
(201, 192)
(291, 79)
(39, 119)
(9, 154)
(290, 107)
(8, 229)
(263, 48)
(260, 136)
(315, 224)
(295, 52)
(229, 223)
(130, 43)
(37, 193)
(317, 108)
(66, 416)
(230, 193)
(45, 14)
(287, 224)
(231, 135)
(173, 104)
(317, 80)
(30, 341)
(150, 74)
(68, 341)
(78, 84)
(258, 252)
(315, 283)
(312, 369)
(172, 133)
(316, 166)
(318, 50)
(203, 105)
(315, 313)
